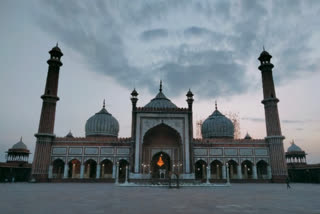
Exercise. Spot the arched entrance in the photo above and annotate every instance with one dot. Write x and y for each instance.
(262, 169)
(161, 139)
(90, 169)
(246, 169)
(106, 169)
(216, 169)
(57, 168)
(160, 165)
(233, 171)
(74, 169)
(122, 169)
(200, 170)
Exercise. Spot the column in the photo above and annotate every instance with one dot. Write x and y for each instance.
(254, 171)
(65, 171)
(50, 172)
(81, 171)
(239, 169)
(114, 168)
(127, 172)
(208, 174)
(102, 171)
(218, 172)
(228, 175)
(269, 172)
(224, 172)
(98, 171)
(117, 173)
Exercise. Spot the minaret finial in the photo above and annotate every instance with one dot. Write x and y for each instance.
(104, 103)
(160, 86)
(21, 139)
(263, 48)
(216, 105)
(57, 44)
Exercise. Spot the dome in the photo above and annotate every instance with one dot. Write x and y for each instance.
(217, 126)
(20, 145)
(248, 137)
(160, 101)
(102, 124)
(294, 148)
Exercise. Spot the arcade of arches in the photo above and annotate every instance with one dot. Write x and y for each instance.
(218, 170)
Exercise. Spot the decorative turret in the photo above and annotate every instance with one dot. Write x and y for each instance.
(274, 136)
(18, 153)
(189, 99)
(134, 99)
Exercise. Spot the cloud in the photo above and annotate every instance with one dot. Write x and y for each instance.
(154, 34)
(202, 45)
(256, 119)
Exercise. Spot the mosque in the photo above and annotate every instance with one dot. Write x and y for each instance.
(161, 142)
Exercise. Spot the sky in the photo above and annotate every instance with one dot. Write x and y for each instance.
(111, 47)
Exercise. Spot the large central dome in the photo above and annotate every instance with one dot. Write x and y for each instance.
(217, 126)
(102, 124)
(160, 101)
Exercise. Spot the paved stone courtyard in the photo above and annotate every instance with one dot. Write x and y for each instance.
(47, 198)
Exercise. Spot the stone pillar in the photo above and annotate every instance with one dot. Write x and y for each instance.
(228, 175)
(50, 172)
(65, 171)
(218, 172)
(239, 169)
(98, 171)
(269, 172)
(114, 168)
(254, 171)
(208, 174)
(81, 171)
(224, 172)
(117, 173)
(127, 173)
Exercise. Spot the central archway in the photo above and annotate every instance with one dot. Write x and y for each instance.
(160, 165)
(161, 140)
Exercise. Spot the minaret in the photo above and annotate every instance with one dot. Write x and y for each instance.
(190, 119)
(274, 136)
(41, 160)
(134, 100)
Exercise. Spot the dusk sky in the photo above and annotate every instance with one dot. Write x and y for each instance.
(111, 47)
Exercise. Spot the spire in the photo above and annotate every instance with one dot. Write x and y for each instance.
(263, 48)
(21, 139)
(216, 105)
(160, 89)
(57, 44)
(104, 103)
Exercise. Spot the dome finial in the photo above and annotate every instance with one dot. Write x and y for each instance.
(21, 139)
(160, 89)
(57, 44)
(104, 103)
(216, 105)
(263, 48)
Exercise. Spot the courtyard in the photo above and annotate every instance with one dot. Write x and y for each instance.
(47, 198)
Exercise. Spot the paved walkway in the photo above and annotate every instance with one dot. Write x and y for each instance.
(91, 198)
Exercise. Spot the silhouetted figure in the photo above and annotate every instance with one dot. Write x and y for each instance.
(288, 183)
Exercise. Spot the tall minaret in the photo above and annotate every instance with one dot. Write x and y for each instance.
(41, 160)
(134, 100)
(274, 136)
(190, 120)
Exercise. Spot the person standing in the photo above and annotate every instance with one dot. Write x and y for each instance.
(288, 183)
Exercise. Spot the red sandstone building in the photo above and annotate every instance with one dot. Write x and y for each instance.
(161, 141)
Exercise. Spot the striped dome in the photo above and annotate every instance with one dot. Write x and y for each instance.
(20, 145)
(217, 126)
(102, 124)
(160, 101)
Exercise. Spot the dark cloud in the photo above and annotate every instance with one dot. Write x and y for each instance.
(254, 119)
(154, 34)
(202, 45)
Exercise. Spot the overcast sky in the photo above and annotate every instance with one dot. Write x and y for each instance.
(110, 47)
